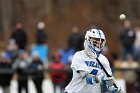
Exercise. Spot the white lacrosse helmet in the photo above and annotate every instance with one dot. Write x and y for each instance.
(94, 42)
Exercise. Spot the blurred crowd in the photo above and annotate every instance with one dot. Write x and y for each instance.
(35, 62)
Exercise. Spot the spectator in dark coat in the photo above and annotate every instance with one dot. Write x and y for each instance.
(36, 68)
(19, 35)
(75, 40)
(41, 35)
(7, 72)
(127, 38)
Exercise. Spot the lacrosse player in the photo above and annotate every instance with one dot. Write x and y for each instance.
(87, 72)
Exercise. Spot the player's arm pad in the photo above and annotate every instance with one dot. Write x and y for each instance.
(87, 77)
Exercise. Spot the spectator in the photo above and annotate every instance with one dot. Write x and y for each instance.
(127, 38)
(66, 54)
(75, 40)
(36, 68)
(19, 35)
(12, 50)
(41, 46)
(41, 36)
(20, 65)
(56, 72)
(66, 58)
(42, 51)
(7, 72)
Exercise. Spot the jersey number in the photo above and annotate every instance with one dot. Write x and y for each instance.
(94, 72)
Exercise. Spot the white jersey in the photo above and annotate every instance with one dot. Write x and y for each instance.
(82, 62)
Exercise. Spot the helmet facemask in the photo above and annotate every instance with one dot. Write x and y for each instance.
(94, 44)
(97, 43)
